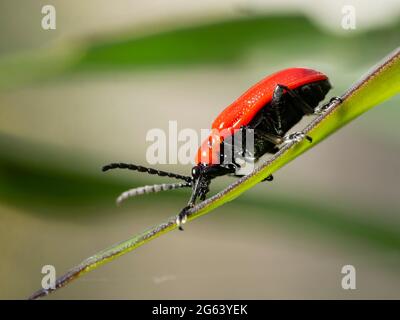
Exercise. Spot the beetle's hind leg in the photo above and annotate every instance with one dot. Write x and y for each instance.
(269, 178)
(320, 110)
(275, 122)
(297, 137)
(272, 138)
(277, 104)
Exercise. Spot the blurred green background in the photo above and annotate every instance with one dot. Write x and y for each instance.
(85, 94)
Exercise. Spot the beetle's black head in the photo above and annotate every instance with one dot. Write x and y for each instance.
(197, 171)
(202, 175)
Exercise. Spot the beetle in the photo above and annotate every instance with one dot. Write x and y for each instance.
(270, 108)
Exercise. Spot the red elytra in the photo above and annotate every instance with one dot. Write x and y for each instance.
(243, 109)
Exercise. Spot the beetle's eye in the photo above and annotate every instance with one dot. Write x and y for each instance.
(195, 172)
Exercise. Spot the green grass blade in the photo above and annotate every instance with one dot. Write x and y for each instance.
(381, 83)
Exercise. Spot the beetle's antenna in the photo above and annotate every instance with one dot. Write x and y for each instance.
(151, 189)
(147, 170)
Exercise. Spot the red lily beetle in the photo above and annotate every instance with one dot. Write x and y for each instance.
(270, 108)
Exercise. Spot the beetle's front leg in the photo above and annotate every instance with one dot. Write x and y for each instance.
(200, 190)
(182, 217)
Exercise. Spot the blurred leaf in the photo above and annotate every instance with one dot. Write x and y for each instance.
(219, 43)
(54, 182)
(228, 41)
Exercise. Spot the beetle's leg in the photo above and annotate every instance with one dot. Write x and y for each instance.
(262, 137)
(182, 217)
(270, 137)
(203, 193)
(200, 190)
(320, 110)
(269, 178)
(302, 104)
(243, 130)
(297, 137)
(276, 104)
